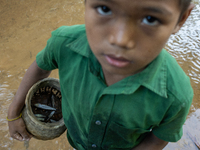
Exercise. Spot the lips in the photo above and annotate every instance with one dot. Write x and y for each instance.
(117, 61)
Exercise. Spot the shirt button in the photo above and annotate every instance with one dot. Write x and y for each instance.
(98, 122)
(94, 146)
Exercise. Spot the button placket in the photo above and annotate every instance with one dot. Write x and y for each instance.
(94, 145)
(98, 122)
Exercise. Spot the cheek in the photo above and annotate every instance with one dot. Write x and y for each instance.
(154, 43)
(148, 50)
(95, 37)
(92, 39)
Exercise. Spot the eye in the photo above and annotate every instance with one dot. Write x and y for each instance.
(104, 10)
(149, 20)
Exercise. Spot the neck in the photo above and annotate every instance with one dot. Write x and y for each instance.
(111, 79)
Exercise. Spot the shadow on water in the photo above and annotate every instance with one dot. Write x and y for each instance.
(24, 29)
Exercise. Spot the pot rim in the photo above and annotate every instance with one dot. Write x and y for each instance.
(31, 91)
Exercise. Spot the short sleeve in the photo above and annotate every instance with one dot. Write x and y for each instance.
(170, 128)
(49, 57)
(46, 58)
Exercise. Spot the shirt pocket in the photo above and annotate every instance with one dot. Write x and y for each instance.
(120, 137)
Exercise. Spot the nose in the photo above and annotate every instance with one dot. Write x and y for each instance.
(122, 35)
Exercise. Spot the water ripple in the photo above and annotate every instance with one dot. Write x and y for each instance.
(185, 45)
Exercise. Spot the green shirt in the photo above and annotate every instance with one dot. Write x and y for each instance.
(118, 116)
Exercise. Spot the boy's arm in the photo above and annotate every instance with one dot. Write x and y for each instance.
(17, 128)
(151, 142)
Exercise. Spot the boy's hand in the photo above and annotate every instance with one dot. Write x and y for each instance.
(17, 127)
(18, 130)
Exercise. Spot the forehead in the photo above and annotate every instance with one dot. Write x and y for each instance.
(136, 6)
(132, 1)
(139, 1)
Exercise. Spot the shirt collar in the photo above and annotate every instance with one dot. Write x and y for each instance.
(80, 45)
(153, 77)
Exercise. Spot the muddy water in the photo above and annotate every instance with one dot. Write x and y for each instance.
(25, 26)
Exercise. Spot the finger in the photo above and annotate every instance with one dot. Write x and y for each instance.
(17, 136)
(26, 136)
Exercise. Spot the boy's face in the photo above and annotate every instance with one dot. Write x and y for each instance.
(126, 35)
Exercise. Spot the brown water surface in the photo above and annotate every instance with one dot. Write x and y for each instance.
(26, 25)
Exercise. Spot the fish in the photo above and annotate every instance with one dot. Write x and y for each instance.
(50, 115)
(45, 107)
(39, 116)
(53, 121)
(53, 100)
(26, 144)
(40, 119)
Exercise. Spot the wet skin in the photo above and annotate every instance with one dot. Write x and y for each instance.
(125, 36)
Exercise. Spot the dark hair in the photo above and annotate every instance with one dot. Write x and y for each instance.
(184, 4)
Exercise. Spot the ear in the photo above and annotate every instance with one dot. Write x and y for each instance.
(183, 18)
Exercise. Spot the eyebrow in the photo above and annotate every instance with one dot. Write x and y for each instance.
(162, 10)
(105, 0)
(152, 9)
(158, 10)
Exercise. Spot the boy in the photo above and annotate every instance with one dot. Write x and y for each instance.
(120, 90)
